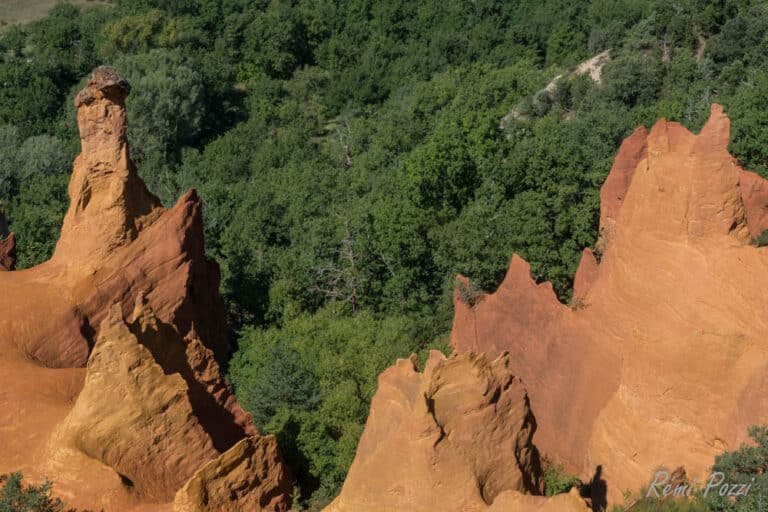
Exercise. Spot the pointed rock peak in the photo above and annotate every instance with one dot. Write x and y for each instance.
(112, 323)
(110, 204)
(687, 187)
(143, 315)
(633, 150)
(101, 111)
(519, 278)
(105, 82)
(716, 132)
(586, 274)
(191, 335)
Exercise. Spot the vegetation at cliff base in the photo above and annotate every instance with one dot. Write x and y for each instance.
(738, 482)
(355, 156)
(557, 480)
(15, 496)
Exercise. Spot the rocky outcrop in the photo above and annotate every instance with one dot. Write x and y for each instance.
(8, 252)
(754, 192)
(633, 150)
(116, 242)
(109, 203)
(665, 363)
(249, 477)
(456, 437)
(111, 387)
(585, 276)
(143, 410)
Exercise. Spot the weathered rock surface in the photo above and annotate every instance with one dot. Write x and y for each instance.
(249, 477)
(633, 150)
(143, 411)
(754, 192)
(127, 431)
(8, 252)
(116, 242)
(585, 276)
(456, 437)
(665, 365)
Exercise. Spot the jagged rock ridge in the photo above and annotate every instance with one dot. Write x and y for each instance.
(662, 360)
(129, 292)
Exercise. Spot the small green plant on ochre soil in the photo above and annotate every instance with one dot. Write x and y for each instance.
(558, 481)
(761, 240)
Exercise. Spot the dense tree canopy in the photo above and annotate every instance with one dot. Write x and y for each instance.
(355, 156)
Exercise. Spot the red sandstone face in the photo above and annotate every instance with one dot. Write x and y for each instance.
(664, 361)
(8, 253)
(151, 408)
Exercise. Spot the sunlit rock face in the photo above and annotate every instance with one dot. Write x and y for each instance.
(110, 384)
(662, 360)
(455, 437)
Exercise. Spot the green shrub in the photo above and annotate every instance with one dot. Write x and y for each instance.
(761, 240)
(745, 465)
(558, 481)
(17, 497)
(468, 292)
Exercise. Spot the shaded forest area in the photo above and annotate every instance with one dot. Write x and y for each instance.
(352, 160)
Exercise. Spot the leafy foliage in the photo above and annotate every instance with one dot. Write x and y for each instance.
(311, 381)
(746, 465)
(17, 497)
(762, 239)
(558, 481)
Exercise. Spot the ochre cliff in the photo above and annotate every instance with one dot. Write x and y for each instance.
(110, 384)
(456, 437)
(662, 359)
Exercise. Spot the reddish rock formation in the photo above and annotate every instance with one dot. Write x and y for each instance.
(249, 477)
(144, 412)
(116, 242)
(632, 151)
(754, 192)
(8, 253)
(585, 276)
(666, 363)
(151, 407)
(455, 437)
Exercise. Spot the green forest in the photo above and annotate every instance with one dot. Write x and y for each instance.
(354, 156)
